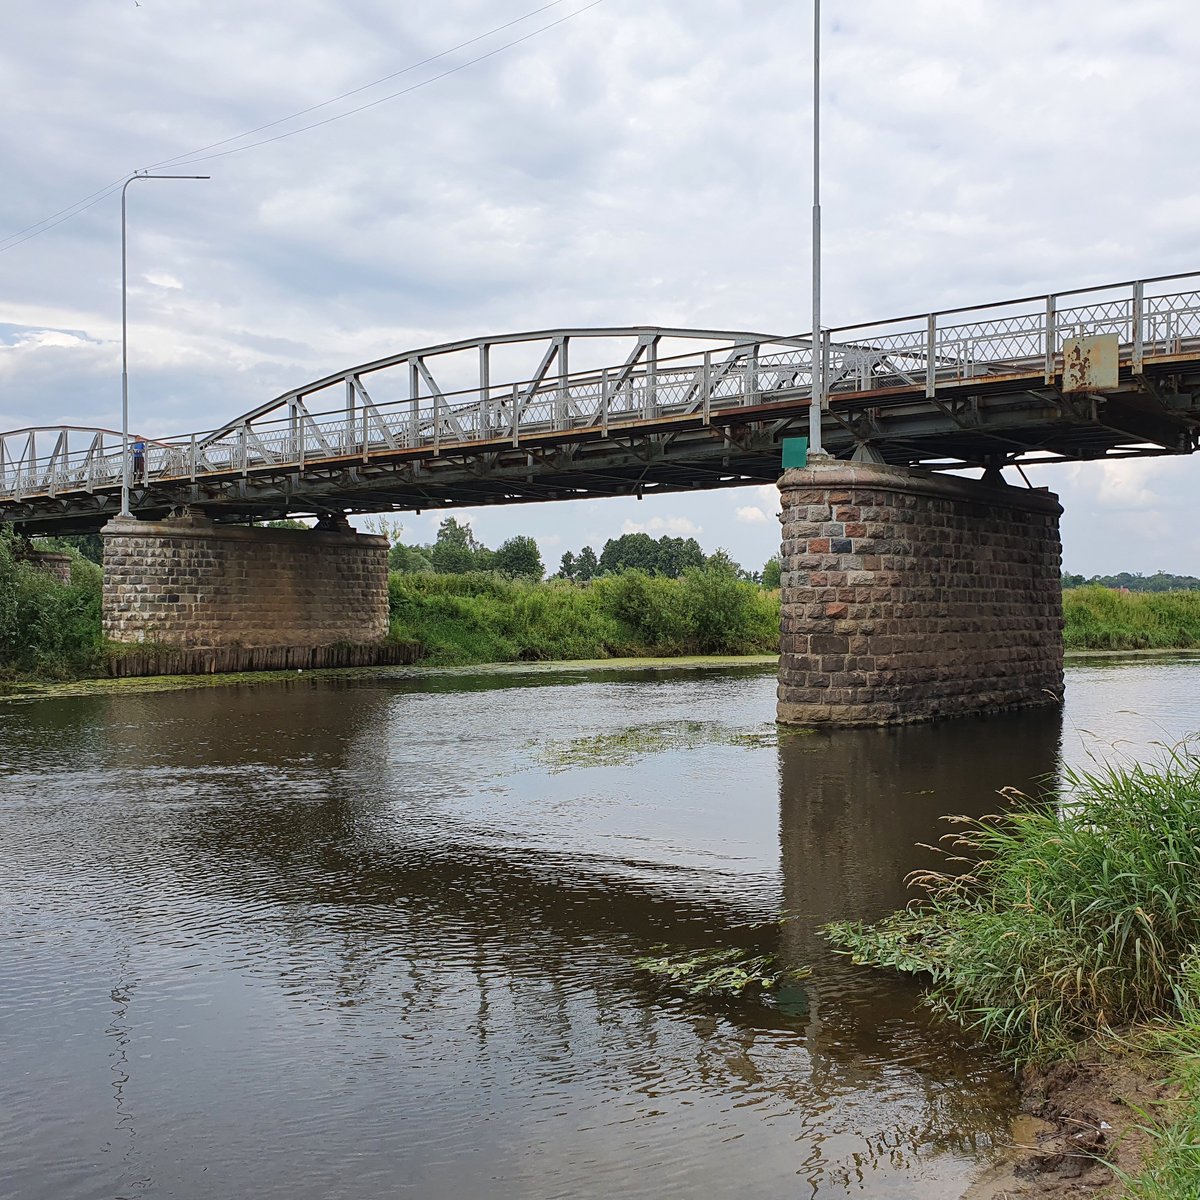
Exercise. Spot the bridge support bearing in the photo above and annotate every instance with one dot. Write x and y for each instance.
(909, 597)
(188, 584)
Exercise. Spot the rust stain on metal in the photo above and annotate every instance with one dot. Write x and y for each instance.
(1090, 364)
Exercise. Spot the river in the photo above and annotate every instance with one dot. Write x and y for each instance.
(352, 937)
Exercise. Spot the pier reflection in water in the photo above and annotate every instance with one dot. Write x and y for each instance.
(353, 937)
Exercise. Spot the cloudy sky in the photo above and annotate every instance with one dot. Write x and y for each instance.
(628, 162)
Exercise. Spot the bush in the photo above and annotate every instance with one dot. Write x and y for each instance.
(47, 628)
(648, 610)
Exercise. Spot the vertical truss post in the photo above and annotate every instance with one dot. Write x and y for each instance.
(516, 408)
(604, 403)
(707, 387)
(351, 415)
(561, 411)
(1139, 345)
(192, 460)
(826, 347)
(750, 387)
(931, 356)
(241, 442)
(650, 388)
(295, 432)
(414, 398)
(485, 390)
(25, 474)
(1051, 336)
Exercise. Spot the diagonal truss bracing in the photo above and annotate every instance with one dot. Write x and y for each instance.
(482, 397)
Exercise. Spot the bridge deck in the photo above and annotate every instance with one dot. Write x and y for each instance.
(973, 386)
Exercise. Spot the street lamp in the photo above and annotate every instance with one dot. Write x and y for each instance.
(816, 401)
(125, 341)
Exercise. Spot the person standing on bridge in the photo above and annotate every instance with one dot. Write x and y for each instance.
(139, 460)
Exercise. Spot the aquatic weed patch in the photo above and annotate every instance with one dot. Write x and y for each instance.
(728, 973)
(620, 747)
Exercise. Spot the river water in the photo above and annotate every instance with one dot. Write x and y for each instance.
(377, 935)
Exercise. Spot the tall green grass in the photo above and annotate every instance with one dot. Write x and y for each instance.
(1097, 618)
(1072, 916)
(1172, 1171)
(481, 617)
(48, 629)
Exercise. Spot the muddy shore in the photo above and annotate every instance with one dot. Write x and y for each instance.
(1079, 1119)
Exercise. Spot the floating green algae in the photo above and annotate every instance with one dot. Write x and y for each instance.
(728, 973)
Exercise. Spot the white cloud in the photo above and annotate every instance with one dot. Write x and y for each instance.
(675, 526)
(553, 185)
(750, 515)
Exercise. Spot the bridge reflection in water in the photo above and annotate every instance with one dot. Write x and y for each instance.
(361, 942)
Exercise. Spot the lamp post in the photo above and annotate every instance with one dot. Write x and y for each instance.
(125, 340)
(816, 402)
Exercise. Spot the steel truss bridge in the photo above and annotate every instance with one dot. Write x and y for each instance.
(572, 413)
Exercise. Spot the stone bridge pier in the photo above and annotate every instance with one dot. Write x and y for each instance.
(910, 596)
(196, 596)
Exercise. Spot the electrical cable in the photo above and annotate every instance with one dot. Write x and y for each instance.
(279, 137)
(20, 236)
(167, 162)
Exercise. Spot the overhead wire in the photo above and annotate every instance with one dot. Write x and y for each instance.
(166, 162)
(20, 236)
(202, 158)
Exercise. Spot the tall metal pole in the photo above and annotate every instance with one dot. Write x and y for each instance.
(125, 339)
(817, 399)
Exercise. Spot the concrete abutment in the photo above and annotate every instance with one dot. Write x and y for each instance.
(911, 596)
(228, 597)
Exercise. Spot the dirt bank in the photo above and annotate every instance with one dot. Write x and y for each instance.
(1076, 1116)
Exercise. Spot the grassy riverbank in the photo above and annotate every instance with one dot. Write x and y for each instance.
(482, 617)
(1097, 618)
(1077, 916)
(52, 631)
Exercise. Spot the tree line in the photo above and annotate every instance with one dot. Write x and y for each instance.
(1160, 581)
(457, 551)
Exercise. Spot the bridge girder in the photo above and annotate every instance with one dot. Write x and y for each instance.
(567, 413)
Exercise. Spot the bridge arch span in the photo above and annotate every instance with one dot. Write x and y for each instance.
(531, 362)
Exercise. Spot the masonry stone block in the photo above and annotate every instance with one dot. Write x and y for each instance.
(942, 597)
(192, 584)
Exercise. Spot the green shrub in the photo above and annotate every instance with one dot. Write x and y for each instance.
(648, 610)
(47, 628)
(727, 614)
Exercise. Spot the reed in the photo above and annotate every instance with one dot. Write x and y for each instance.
(1062, 918)
(1173, 1167)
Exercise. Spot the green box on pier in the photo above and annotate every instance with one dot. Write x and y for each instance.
(795, 452)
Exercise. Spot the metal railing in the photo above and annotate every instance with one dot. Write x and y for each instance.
(1152, 318)
(718, 371)
(732, 370)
